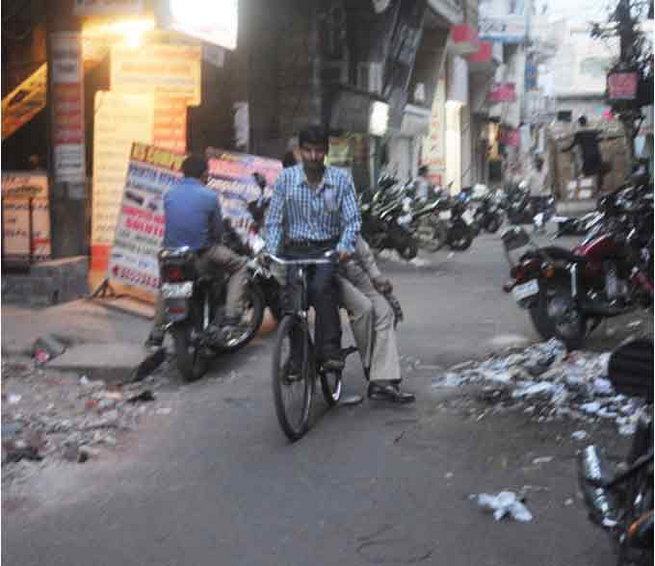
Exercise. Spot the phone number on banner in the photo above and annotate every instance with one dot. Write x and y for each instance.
(135, 277)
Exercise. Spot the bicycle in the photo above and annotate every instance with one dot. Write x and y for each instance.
(295, 365)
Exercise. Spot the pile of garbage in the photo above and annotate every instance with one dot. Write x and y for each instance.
(58, 416)
(549, 383)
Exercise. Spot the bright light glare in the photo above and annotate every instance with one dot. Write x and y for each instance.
(120, 27)
(215, 21)
(131, 30)
(379, 118)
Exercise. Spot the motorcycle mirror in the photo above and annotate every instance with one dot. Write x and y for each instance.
(259, 179)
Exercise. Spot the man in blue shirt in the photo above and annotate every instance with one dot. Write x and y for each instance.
(193, 219)
(313, 210)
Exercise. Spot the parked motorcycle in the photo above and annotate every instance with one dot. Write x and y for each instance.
(194, 309)
(577, 226)
(430, 233)
(488, 215)
(622, 502)
(522, 208)
(386, 219)
(568, 293)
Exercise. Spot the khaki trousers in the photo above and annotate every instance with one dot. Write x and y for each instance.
(218, 258)
(372, 323)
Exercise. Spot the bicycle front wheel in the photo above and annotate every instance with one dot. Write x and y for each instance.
(293, 377)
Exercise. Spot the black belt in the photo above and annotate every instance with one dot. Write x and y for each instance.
(311, 243)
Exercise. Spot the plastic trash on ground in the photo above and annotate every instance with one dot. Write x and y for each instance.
(550, 382)
(505, 503)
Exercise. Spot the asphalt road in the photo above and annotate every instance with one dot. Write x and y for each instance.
(215, 482)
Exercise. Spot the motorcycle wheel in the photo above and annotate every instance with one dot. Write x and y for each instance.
(637, 500)
(254, 305)
(460, 237)
(440, 234)
(427, 236)
(191, 363)
(409, 250)
(555, 315)
(493, 224)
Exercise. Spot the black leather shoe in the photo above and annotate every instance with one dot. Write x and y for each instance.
(155, 340)
(390, 392)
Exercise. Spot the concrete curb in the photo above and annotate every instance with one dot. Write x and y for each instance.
(112, 363)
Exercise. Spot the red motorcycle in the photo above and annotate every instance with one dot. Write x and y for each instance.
(569, 292)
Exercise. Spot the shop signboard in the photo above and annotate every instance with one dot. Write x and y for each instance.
(231, 175)
(434, 154)
(214, 22)
(511, 137)
(169, 128)
(622, 86)
(502, 23)
(502, 92)
(140, 226)
(107, 7)
(22, 192)
(68, 111)
(172, 70)
(24, 102)
(120, 120)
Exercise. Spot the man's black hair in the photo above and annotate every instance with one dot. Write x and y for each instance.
(315, 135)
(582, 120)
(423, 170)
(289, 160)
(194, 166)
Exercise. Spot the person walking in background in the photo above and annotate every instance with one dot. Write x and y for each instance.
(587, 142)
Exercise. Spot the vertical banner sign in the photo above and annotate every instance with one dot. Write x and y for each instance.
(66, 79)
(434, 153)
(140, 227)
(231, 175)
(120, 120)
(169, 128)
(17, 190)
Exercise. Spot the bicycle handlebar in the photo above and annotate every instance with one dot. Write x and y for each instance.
(328, 258)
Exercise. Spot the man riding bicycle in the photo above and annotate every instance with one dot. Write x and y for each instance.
(314, 210)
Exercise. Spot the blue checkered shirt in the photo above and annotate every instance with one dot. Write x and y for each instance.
(298, 213)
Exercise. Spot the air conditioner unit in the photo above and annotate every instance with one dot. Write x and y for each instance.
(334, 72)
(369, 77)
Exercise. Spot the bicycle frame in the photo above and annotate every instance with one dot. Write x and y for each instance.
(301, 274)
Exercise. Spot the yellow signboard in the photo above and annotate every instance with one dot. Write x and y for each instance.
(173, 70)
(24, 102)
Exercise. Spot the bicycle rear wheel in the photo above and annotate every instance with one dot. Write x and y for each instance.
(293, 377)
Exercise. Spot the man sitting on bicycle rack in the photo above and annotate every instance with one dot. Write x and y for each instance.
(314, 210)
(363, 290)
